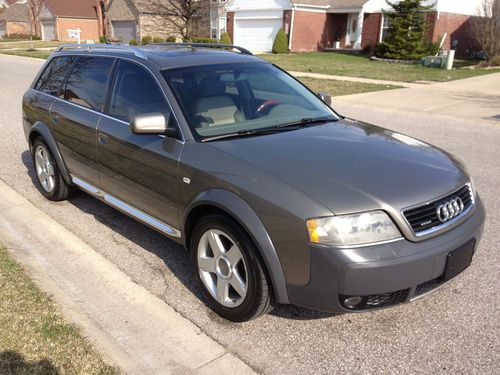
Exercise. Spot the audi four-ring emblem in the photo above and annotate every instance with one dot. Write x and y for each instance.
(450, 209)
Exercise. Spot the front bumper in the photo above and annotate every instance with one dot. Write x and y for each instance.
(383, 275)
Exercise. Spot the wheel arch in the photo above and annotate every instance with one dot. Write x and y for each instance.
(39, 129)
(227, 203)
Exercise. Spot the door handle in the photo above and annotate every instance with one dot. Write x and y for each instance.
(103, 139)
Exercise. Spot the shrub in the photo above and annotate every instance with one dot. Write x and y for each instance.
(493, 62)
(17, 36)
(158, 39)
(102, 39)
(146, 40)
(171, 39)
(280, 42)
(202, 40)
(225, 39)
(133, 42)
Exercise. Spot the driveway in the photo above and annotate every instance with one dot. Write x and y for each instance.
(454, 330)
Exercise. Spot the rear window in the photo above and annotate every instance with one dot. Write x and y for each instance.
(86, 84)
(53, 76)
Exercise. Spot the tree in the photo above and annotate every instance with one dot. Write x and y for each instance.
(225, 39)
(188, 18)
(35, 8)
(280, 42)
(406, 36)
(486, 27)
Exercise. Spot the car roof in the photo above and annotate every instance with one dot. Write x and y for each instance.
(168, 56)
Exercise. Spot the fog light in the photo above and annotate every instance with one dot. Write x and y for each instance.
(352, 302)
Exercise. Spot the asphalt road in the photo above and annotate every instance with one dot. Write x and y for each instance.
(455, 330)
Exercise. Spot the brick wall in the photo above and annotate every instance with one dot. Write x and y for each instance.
(150, 25)
(371, 31)
(310, 31)
(458, 29)
(16, 28)
(89, 27)
(230, 25)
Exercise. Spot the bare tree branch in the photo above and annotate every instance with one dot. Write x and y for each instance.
(486, 27)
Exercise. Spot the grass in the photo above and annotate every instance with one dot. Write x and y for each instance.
(339, 88)
(362, 66)
(26, 53)
(34, 338)
(26, 44)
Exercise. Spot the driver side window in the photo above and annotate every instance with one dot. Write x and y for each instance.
(135, 92)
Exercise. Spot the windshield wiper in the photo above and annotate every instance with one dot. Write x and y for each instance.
(246, 133)
(306, 122)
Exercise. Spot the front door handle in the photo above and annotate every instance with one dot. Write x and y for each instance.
(103, 139)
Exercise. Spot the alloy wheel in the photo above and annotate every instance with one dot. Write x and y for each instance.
(44, 168)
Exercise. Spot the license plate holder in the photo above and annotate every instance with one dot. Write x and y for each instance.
(458, 260)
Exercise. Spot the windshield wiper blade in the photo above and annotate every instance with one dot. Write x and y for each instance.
(306, 122)
(244, 133)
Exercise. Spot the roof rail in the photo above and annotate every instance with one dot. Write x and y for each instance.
(103, 47)
(242, 50)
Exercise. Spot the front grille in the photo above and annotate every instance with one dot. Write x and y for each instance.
(377, 301)
(427, 286)
(424, 217)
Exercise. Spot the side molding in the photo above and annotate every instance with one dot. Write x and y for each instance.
(46, 133)
(248, 219)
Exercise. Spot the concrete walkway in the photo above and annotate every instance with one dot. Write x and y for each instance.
(133, 329)
(357, 79)
(476, 98)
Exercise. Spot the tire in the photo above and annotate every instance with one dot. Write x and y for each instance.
(232, 278)
(50, 181)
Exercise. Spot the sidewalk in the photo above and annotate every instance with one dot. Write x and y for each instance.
(476, 98)
(133, 329)
(357, 79)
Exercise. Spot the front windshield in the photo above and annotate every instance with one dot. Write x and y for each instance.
(231, 98)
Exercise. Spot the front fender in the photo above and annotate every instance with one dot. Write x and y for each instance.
(41, 129)
(248, 219)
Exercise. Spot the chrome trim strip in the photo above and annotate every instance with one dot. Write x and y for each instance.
(128, 209)
(429, 292)
(447, 224)
(343, 247)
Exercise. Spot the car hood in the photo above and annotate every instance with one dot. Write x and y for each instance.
(350, 166)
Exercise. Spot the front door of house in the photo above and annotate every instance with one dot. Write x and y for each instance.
(352, 28)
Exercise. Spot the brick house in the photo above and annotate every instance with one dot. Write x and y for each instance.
(134, 19)
(14, 19)
(313, 25)
(59, 16)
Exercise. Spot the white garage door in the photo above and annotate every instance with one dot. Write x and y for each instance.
(125, 30)
(48, 30)
(257, 35)
(2, 29)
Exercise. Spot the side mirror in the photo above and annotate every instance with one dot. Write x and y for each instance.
(325, 97)
(151, 123)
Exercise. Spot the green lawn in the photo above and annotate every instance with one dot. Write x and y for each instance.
(26, 44)
(361, 66)
(36, 54)
(339, 88)
(34, 338)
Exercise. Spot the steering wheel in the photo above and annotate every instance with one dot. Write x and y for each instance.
(266, 107)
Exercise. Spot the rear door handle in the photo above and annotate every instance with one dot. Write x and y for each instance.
(103, 139)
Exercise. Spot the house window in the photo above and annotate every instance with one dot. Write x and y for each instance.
(385, 27)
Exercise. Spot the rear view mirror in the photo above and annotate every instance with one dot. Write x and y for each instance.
(151, 123)
(325, 97)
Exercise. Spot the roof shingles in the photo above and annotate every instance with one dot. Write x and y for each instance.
(76, 9)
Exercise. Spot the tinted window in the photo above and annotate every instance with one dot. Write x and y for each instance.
(53, 76)
(86, 85)
(135, 92)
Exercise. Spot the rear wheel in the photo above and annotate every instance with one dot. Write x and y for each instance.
(230, 272)
(52, 184)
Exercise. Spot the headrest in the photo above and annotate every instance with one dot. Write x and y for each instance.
(212, 86)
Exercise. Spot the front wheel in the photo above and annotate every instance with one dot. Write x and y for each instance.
(229, 270)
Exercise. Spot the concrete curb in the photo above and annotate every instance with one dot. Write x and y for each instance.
(356, 79)
(132, 328)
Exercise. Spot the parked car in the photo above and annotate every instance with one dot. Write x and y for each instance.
(278, 198)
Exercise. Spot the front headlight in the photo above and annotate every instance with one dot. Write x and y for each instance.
(352, 230)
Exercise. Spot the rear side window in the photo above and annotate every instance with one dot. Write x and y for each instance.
(53, 76)
(135, 92)
(86, 84)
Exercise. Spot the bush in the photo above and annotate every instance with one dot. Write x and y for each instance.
(203, 40)
(102, 39)
(133, 42)
(158, 39)
(493, 62)
(225, 39)
(18, 36)
(171, 39)
(280, 42)
(146, 40)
